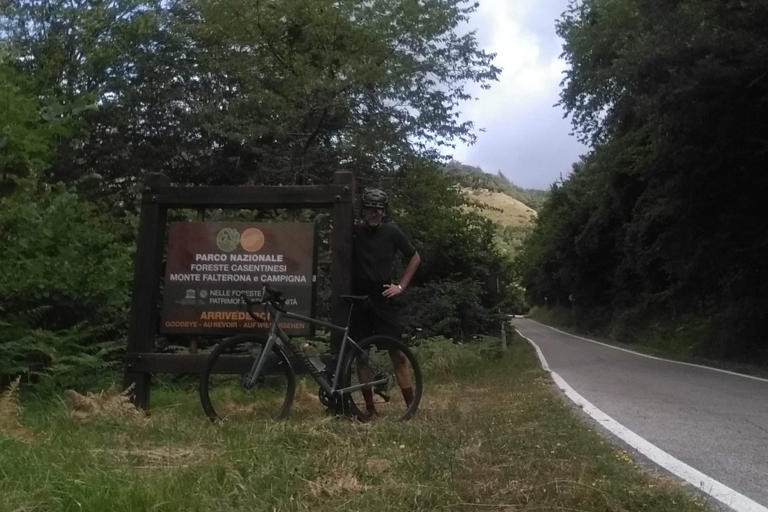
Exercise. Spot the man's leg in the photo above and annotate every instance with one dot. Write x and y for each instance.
(360, 327)
(403, 374)
(387, 323)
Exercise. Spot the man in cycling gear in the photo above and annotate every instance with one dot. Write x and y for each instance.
(375, 246)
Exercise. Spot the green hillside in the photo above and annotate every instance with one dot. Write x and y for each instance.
(501, 208)
(511, 208)
(475, 178)
(514, 220)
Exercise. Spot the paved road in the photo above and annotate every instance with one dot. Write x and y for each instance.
(715, 422)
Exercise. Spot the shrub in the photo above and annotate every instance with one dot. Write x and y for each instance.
(448, 308)
(64, 284)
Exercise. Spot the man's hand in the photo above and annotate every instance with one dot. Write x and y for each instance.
(390, 290)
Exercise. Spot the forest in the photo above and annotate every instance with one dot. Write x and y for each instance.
(97, 96)
(658, 234)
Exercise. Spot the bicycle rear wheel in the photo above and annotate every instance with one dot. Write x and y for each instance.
(223, 392)
(389, 378)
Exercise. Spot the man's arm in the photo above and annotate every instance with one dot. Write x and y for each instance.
(390, 290)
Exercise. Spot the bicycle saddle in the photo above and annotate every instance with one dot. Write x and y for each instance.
(354, 299)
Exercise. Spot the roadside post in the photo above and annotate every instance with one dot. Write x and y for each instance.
(503, 336)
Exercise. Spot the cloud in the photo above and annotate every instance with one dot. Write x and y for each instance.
(518, 51)
(525, 135)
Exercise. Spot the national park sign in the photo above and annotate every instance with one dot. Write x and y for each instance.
(211, 264)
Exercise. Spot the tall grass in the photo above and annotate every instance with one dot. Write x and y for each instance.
(491, 435)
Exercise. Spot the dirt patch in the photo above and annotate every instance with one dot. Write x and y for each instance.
(109, 404)
(457, 399)
(467, 401)
(377, 466)
(306, 399)
(338, 483)
(155, 457)
(229, 408)
(10, 415)
(472, 450)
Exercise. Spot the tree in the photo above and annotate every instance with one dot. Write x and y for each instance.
(217, 92)
(674, 99)
(290, 92)
(26, 137)
(454, 291)
(64, 284)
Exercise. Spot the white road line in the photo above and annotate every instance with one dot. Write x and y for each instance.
(650, 357)
(706, 484)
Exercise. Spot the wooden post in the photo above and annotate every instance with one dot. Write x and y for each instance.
(342, 217)
(146, 288)
(503, 336)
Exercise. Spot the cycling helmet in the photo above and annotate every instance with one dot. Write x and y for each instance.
(374, 198)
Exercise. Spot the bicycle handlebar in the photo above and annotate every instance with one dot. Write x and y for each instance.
(268, 296)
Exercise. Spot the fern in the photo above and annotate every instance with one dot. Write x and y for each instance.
(64, 281)
(55, 359)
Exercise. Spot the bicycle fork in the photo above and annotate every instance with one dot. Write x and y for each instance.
(254, 372)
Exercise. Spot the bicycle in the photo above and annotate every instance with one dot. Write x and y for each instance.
(252, 377)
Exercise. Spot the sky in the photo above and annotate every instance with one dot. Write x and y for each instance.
(526, 136)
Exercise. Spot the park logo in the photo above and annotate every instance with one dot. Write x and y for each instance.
(228, 239)
(252, 239)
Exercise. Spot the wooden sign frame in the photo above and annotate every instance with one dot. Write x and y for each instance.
(158, 196)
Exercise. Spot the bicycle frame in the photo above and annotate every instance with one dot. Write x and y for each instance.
(275, 333)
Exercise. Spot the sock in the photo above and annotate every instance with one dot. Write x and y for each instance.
(368, 397)
(407, 395)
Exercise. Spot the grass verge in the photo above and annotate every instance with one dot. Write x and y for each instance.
(491, 435)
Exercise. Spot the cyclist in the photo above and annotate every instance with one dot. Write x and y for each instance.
(375, 246)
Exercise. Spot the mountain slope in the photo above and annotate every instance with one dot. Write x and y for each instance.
(476, 178)
(501, 208)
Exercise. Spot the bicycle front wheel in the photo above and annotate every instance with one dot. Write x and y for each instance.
(385, 380)
(224, 393)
